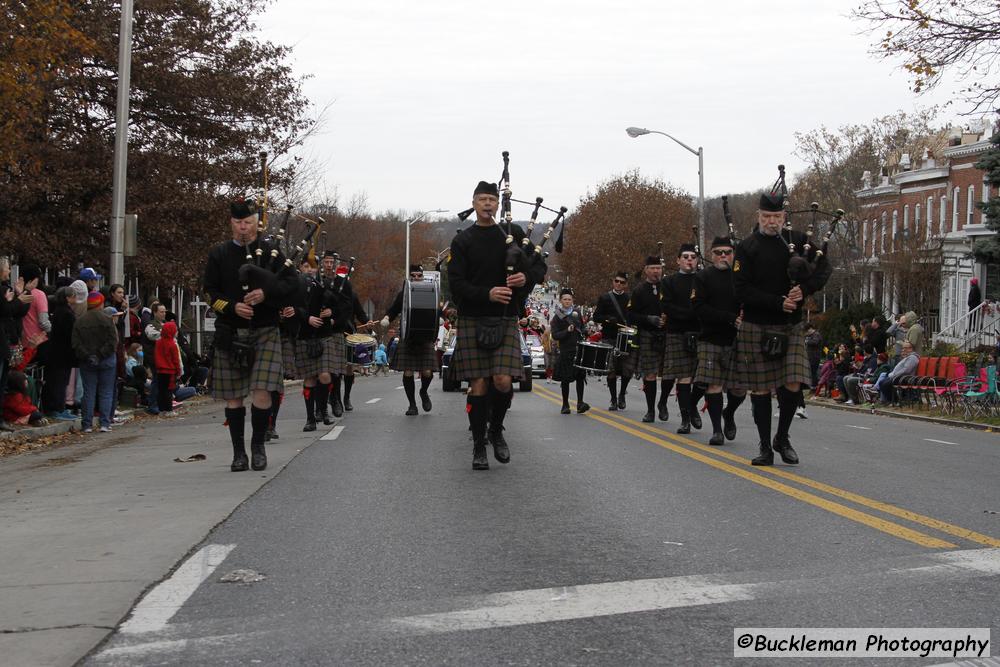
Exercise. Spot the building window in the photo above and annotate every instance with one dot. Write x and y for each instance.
(970, 205)
(930, 217)
(916, 221)
(985, 199)
(954, 210)
(897, 234)
(882, 235)
(942, 213)
(906, 221)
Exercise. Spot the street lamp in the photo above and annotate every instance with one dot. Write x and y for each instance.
(420, 217)
(639, 131)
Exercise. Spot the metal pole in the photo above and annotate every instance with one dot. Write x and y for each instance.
(406, 270)
(117, 227)
(701, 199)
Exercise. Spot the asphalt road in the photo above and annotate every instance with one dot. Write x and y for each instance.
(604, 541)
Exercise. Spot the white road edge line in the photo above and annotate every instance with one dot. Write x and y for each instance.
(544, 605)
(373, 400)
(334, 433)
(863, 428)
(159, 605)
(940, 442)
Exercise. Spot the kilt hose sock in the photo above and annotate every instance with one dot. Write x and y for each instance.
(761, 405)
(715, 410)
(649, 388)
(478, 414)
(665, 387)
(613, 388)
(788, 401)
(237, 426)
(409, 386)
(499, 404)
(733, 402)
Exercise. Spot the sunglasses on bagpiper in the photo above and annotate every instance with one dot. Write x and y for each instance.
(722, 253)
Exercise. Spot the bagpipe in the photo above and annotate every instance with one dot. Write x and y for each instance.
(801, 266)
(264, 263)
(728, 216)
(520, 258)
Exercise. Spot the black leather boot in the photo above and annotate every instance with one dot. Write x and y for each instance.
(240, 461)
(728, 425)
(685, 427)
(664, 411)
(695, 418)
(479, 460)
(717, 439)
(784, 448)
(765, 457)
(500, 450)
(258, 422)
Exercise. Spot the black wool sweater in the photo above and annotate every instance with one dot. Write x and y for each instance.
(224, 289)
(646, 301)
(677, 302)
(478, 264)
(760, 273)
(716, 305)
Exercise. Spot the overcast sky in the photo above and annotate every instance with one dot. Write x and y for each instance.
(426, 94)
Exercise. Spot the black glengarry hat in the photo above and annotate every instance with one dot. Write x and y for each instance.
(722, 242)
(485, 188)
(330, 253)
(564, 291)
(772, 202)
(653, 260)
(686, 247)
(622, 275)
(416, 268)
(240, 208)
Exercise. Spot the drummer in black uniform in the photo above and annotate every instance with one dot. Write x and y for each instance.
(318, 352)
(610, 314)
(567, 331)
(488, 306)
(347, 311)
(771, 352)
(645, 310)
(680, 356)
(412, 355)
(718, 312)
(247, 346)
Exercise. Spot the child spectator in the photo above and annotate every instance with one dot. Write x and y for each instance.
(168, 368)
(17, 406)
(381, 360)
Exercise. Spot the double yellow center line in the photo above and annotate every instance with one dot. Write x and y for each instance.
(765, 476)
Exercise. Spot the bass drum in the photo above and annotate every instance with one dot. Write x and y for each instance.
(419, 319)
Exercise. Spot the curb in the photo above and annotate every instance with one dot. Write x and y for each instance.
(903, 415)
(35, 432)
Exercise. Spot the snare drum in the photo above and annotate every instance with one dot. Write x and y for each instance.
(626, 341)
(360, 349)
(594, 357)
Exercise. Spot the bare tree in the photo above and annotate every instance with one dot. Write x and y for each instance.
(935, 36)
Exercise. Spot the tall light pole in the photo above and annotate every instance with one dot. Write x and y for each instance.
(416, 219)
(639, 131)
(117, 227)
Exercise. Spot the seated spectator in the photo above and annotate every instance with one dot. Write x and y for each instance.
(908, 362)
(136, 375)
(850, 383)
(827, 376)
(17, 406)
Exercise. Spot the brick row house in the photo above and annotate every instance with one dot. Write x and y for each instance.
(920, 220)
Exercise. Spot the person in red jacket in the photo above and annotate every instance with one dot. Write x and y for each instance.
(17, 405)
(168, 368)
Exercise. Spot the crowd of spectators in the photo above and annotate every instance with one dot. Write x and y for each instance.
(867, 367)
(74, 350)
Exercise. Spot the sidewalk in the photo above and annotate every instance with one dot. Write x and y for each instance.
(961, 423)
(90, 523)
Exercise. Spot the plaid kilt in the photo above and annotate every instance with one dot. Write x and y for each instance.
(716, 365)
(756, 373)
(288, 356)
(331, 361)
(650, 352)
(469, 361)
(228, 382)
(564, 370)
(623, 365)
(414, 356)
(677, 361)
